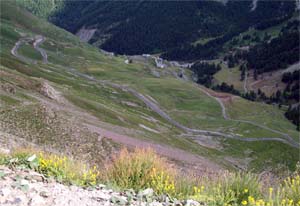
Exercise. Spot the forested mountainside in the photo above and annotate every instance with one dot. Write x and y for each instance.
(182, 30)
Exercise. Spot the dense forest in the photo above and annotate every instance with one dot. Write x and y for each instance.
(277, 54)
(204, 72)
(167, 27)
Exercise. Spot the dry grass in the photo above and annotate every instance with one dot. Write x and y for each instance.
(135, 170)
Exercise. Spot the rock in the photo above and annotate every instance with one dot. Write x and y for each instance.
(101, 186)
(16, 201)
(147, 192)
(117, 200)
(48, 91)
(9, 88)
(192, 203)
(44, 194)
(31, 158)
(104, 196)
(5, 191)
(24, 182)
(37, 177)
(37, 201)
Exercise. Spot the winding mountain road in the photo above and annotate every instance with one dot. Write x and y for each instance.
(156, 108)
(14, 50)
(37, 41)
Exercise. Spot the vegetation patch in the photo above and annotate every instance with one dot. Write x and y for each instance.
(143, 169)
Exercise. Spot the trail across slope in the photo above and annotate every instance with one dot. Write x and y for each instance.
(14, 50)
(37, 41)
(156, 108)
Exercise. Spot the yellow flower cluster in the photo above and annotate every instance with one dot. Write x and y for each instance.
(162, 183)
(198, 190)
(261, 202)
(251, 201)
(66, 170)
(283, 197)
(52, 165)
(90, 176)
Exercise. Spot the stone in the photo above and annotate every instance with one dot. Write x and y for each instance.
(44, 194)
(38, 178)
(103, 196)
(31, 158)
(101, 186)
(147, 192)
(5, 192)
(192, 203)
(24, 182)
(16, 201)
(37, 201)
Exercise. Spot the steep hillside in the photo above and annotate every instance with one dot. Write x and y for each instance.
(65, 95)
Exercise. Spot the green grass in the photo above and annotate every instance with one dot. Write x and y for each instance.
(203, 41)
(230, 76)
(8, 100)
(264, 114)
(269, 155)
(29, 52)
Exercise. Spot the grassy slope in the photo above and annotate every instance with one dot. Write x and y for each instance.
(182, 100)
(230, 76)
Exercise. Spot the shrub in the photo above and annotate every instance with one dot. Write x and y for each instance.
(136, 170)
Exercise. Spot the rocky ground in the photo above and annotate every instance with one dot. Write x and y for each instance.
(24, 187)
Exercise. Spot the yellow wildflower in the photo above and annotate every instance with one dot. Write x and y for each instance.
(244, 202)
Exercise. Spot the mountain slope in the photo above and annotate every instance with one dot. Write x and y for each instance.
(82, 101)
(167, 27)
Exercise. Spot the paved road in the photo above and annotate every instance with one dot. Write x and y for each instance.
(37, 41)
(156, 108)
(14, 50)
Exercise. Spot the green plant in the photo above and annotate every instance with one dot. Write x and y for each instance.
(60, 167)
